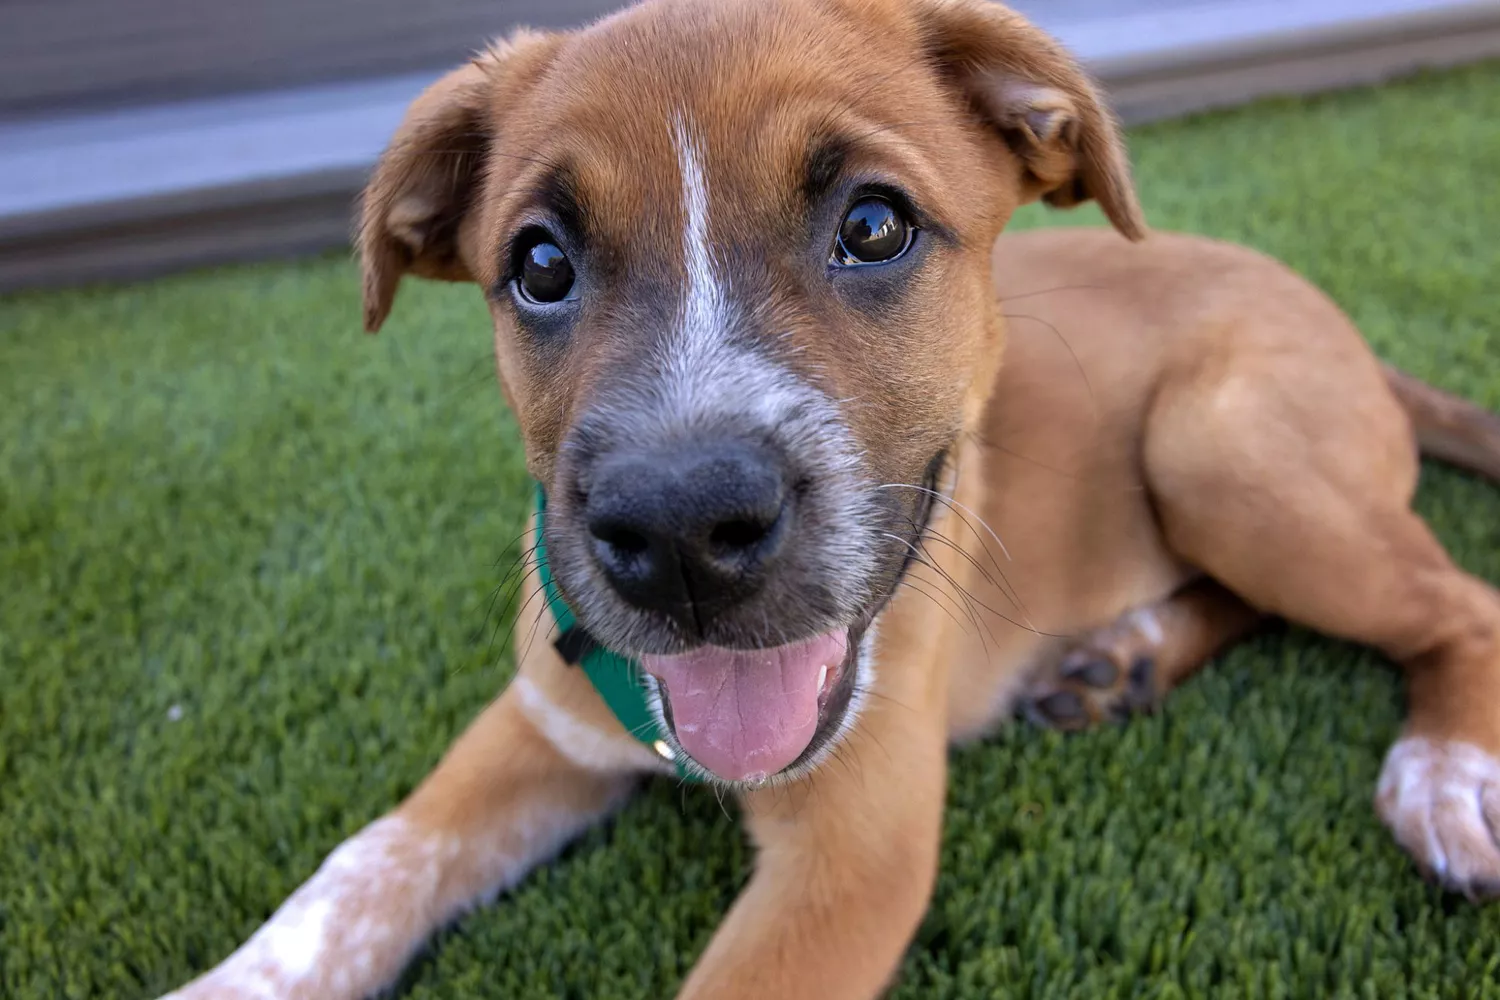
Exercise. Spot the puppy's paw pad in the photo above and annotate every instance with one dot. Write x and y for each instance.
(1063, 709)
(1091, 683)
(1441, 800)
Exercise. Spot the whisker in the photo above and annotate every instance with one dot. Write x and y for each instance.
(1054, 288)
(1077, 363)
(1005, 588)
(960, 510)
(521, 563)
(857, 773)
(958, 589)
(525, 605)
(941, 607)
(970, 598)
(479, 632)
(493, 595)
(952, 503)
(510, 545)
(719, 798)
(536, 622)
(870, 692)
(511, 584)
(985, 442)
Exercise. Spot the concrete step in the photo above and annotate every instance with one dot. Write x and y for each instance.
(132, 192)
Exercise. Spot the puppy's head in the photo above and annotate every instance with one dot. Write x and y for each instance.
(737, 255)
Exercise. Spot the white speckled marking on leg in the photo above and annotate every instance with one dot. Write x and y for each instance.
(1441, 800)
(351, 927)
(366, 896)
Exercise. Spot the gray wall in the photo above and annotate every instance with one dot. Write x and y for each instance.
(57, 54)
(242, 174)
(92, 54)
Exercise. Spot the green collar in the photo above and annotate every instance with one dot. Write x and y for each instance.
(615, 677)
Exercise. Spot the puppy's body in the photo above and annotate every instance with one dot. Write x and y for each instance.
(1086, 431)
(1058, 476)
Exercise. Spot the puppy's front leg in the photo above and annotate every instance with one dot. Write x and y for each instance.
(503, 799)
(846, 864)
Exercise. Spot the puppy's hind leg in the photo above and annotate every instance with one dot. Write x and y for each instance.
(1130, 664)
(510, 792)
(1295, 494)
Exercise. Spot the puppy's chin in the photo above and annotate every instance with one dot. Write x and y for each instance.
(746, 717)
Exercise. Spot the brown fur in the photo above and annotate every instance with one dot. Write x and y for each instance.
(1184, 438)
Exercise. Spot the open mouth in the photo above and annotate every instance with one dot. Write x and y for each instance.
(747, 714)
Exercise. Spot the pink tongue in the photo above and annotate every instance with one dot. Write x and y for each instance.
(747, 713)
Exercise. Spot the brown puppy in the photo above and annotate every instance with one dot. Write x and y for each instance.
(742, 264)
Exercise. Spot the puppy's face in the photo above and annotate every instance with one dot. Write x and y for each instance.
(737, 258)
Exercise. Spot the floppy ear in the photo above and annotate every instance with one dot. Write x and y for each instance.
(414, 206)
(1027, 87)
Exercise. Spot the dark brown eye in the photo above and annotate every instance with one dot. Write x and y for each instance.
(546, 274)
(874, 231)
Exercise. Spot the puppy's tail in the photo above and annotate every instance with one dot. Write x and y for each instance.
(1449, 429)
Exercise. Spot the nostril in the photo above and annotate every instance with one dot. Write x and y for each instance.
(739, 534)
(624, 541)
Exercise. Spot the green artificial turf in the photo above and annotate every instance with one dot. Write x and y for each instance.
(247, 556)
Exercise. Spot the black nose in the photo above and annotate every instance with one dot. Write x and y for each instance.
(690, 532)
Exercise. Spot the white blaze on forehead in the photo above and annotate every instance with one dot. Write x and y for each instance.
(703, 299)
(705, 372)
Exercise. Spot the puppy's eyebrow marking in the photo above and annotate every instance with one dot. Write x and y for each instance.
(551, 198)
(826, 160)
(557, 193)
(833, 156)
(560, 194)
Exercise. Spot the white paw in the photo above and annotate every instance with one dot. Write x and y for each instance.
(1441, 799)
